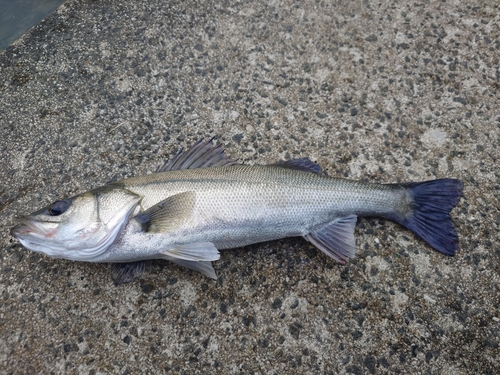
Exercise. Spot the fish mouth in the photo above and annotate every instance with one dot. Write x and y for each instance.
(22, 230)
(42, 237)
(19, 230)
(28, 228)
(33, 236)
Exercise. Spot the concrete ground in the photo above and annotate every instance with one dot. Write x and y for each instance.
(374, 90)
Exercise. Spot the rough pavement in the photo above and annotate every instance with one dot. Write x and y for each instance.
(383, 91)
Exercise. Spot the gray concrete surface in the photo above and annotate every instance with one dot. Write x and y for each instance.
(384, 91)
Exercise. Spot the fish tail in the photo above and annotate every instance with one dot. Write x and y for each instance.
(428, 216)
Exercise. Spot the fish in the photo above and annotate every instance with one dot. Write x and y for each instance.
(202, 201)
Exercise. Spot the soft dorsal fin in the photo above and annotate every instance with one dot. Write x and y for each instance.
(201, 155)
(168, 214)
(302, 164)
(336, 239)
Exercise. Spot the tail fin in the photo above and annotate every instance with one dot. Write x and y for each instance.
(430, 217)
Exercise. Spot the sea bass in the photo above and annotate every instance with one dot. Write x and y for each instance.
(203, 201)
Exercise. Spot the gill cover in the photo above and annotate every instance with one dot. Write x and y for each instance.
(79, 228)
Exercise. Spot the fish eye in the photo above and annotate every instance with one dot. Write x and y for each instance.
(58, 207)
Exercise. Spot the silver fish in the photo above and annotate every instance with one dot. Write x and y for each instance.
(202, 202)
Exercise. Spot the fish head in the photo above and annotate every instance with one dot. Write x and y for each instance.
(78, 228)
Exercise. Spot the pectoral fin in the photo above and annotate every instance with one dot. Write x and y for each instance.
(168, 214)
(336, 239)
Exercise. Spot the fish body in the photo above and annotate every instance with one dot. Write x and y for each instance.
(202, 202)
(234, 206)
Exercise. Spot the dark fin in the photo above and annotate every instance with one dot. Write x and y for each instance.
(201, 155)
(336, 239)
(429, 218)
(127, 272)
(303, 164)
(201, 266)
(168, 214)
(200, 251)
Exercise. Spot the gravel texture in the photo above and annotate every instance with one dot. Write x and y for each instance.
(383, 91)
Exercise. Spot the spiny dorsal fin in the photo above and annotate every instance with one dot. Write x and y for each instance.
(201, 155)
(302, 164)
(168, 214)
(336, 239)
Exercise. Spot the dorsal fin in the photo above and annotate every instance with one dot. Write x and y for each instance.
(302, 164)
(201, 155)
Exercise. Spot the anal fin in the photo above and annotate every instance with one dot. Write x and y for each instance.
(336, 239)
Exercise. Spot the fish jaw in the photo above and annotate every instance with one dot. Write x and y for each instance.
(34, 237)
(40, 240)
(41, 237)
